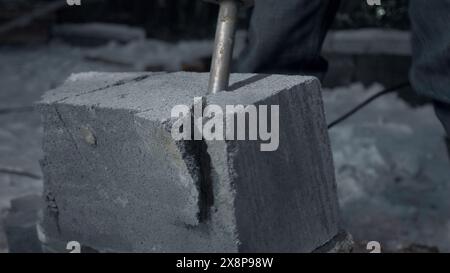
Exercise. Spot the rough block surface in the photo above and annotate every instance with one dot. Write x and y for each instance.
(115, 179)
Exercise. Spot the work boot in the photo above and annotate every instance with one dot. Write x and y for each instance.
(443, 113)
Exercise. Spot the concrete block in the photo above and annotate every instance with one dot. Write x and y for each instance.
(369, 42)
(20, 225)
(116, 180)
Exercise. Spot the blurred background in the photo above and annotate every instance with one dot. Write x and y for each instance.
(391, 159)
(174, 20)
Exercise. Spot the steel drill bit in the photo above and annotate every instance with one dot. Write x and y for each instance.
(223, 46)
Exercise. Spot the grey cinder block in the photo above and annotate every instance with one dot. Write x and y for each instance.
(116, 180)
(20, 225)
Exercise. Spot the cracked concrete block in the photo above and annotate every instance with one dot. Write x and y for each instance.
(116, 180)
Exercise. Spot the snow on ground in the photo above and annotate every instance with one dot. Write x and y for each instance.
(155, 54)
(392, 170)
(391, 163)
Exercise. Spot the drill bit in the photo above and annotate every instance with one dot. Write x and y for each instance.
(223, 46)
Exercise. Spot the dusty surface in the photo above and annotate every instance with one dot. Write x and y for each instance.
(391, 161)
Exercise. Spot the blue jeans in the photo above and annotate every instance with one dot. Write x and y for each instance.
(286, 37)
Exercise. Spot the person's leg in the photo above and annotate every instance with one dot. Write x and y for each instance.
(286, 37)
(430, 73)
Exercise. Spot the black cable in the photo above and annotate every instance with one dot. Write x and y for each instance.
(19, 172)
(368, 101)
(20, 109)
